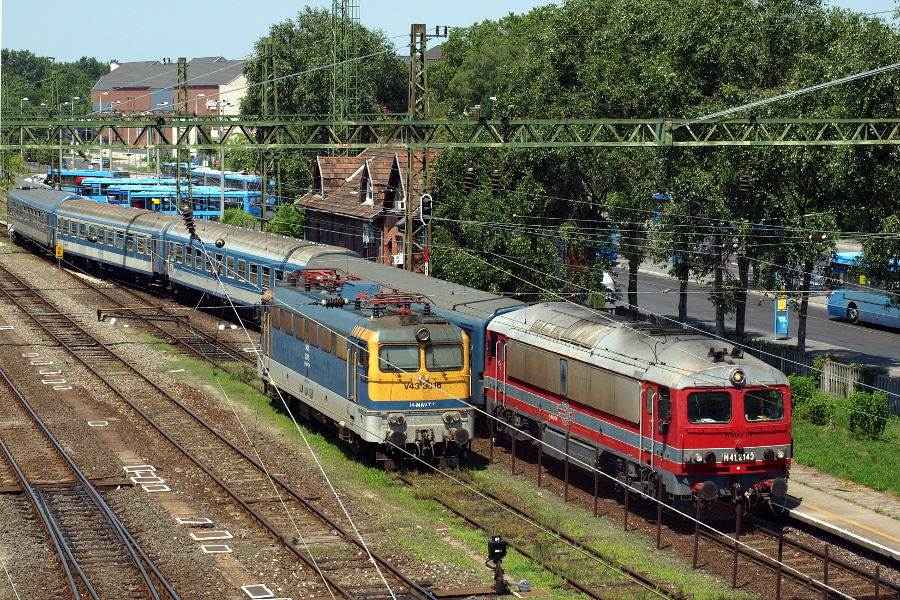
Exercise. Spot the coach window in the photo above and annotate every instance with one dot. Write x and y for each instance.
(219, 258)
(140, 246)
(709, 407)
(131, 242)
(102, 235)
(254, 273)
(266, 277)
(279, 275)
(242, 270)
(198, 258)
(229, 270)
(179, 253)
(763, 405)
(120, 239)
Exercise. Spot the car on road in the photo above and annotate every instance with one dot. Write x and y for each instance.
(99, 162)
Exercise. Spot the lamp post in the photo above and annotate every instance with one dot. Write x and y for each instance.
(220, 105)
(21, 136)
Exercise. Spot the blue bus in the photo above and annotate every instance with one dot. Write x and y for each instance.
(204, 201)
(97, 188)
(853, 300)
(70, 178)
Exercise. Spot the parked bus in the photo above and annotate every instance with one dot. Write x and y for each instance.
(856, 301)
(70, 178)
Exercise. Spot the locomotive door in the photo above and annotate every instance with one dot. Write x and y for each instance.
(648, 415)
(498, 349)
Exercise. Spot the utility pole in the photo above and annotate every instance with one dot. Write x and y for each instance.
(418, 110)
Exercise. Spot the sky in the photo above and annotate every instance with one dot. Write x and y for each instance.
(129, 31)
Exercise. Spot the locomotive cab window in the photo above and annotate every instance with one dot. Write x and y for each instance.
(763, 405)
(444, 357)
(709, 407)
(394, 358)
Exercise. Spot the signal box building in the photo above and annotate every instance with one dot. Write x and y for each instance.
(360, 203)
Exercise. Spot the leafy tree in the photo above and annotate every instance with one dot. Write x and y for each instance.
(288, 221)
(303, 58)
(238, 217)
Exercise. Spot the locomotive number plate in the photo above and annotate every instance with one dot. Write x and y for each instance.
(739, 457)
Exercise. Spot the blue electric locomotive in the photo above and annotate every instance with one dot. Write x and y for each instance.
(390, 377)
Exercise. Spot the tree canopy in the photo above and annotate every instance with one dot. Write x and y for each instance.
(654, 59)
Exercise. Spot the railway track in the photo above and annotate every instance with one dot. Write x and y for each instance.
(97, 556)
(811, 568)
(602, 576)
(336, 562)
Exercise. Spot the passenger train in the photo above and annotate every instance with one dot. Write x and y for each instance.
(370, 349)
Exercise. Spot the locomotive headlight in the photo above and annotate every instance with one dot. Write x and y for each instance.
(396, 419)
(710, 457)
(779, 454)
(738, 377)
(451, 417)
(698, 457)
(423, 335)
(769, 454)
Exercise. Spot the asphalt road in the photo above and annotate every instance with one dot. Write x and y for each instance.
(868, 344)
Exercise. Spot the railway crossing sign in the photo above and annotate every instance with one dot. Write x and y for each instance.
(59, 252)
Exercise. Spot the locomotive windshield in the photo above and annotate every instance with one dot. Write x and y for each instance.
(394, 358)
(763, 405)
(709, 407)
(444, 357)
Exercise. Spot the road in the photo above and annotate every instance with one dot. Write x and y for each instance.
(868, 345)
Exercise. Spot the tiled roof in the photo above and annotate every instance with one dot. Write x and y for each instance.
(157, 75)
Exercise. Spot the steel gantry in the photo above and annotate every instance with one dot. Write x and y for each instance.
(288, 132)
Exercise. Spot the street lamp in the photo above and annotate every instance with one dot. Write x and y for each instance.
(22, 103)
(72, 112)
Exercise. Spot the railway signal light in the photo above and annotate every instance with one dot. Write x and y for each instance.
(818, 237)
(468, 180)
(425, 209)
(495, 182)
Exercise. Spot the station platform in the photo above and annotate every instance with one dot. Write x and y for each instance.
(848, 510)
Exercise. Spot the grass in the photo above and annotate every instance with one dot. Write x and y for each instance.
(835, 449)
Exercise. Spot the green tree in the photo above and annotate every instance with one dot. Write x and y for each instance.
(288, 221)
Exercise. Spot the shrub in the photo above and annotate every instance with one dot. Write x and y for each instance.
(809, 402)
(868, 413)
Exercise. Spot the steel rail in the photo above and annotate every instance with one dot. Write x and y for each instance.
(415, 587)
(138, 556)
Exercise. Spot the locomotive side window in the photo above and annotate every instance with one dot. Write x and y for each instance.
(398, 357)
(287, 323)
(651, 393)
(763, 405)
(276, 318)
(340, 346)
(300, 328)
(443, 357)
(709, 407)
(363, 356)
(326, 340)
(563, 377)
